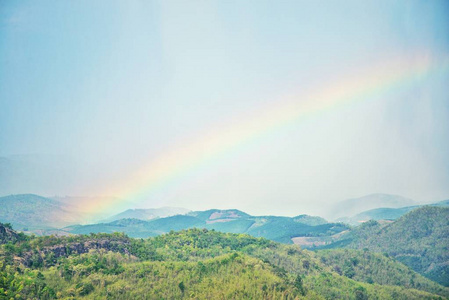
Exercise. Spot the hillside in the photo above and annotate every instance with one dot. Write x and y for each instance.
(418, 239)
(365, 266)
(194, 263)
(281, 229)
(8, 235)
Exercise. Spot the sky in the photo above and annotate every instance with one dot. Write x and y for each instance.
(186, 103)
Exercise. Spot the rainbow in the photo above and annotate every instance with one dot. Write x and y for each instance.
(195, 153)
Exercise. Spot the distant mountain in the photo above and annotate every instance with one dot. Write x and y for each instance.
(29, 211)
(46, 215)
(103, 208)
(377, 214)
(148, 214)
(441, 203)
(385, 213)
(419, 239)
(281, 229)
(354, 206)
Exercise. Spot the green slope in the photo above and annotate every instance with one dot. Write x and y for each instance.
(179, 222)
(376, 268)
(188, 264)
(283, 229)
(419, 239)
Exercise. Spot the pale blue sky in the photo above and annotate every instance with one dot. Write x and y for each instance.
(91, 90)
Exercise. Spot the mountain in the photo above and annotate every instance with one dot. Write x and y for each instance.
(377, 214)
(41, 215)
(354, 206)
(281, 229)
(309, 220)
(148, 214)
(419, 239)
(216, 215)
(385, 213)
(103, 207)
(45, 215)
(199, 264)
(29, 211)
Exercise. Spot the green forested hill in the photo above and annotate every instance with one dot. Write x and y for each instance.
(419, 239)
(197, 264)
(362, 265)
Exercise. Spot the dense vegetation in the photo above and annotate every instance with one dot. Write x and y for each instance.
(419, 239)
(362, 265)
(194, 264)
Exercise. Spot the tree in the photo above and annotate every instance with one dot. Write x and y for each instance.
(298, 284)
(182, 287)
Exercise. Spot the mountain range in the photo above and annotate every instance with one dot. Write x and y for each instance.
(280, 229)
(61, 215)
(384, 213)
